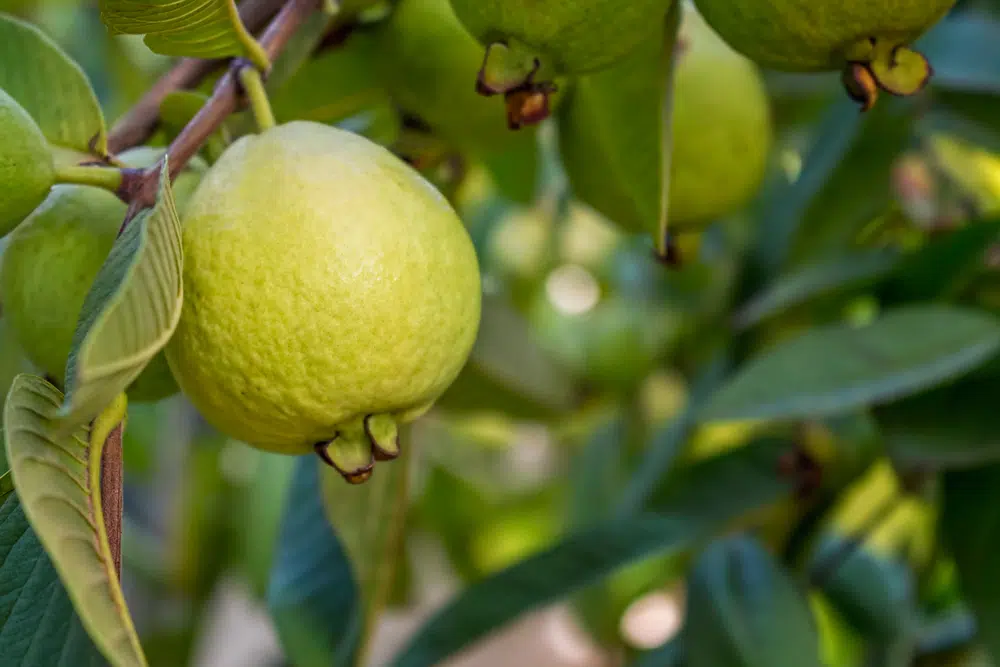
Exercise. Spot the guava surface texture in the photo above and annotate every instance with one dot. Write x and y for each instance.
(26, 168)
(817, 35)
(325, 282)
(722, 131)
(567, 36)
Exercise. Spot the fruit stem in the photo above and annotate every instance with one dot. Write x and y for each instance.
(253, 86)
(665, 249)
(108, 178)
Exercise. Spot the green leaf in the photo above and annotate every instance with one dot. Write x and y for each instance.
(58, 483)
(743, 610)
(951, 427)
(195, 28)
(970, 522)
(834, 369)
(875, 595)
(312, 596)
(611, 129)
(130, 312)
(368, 520)
(965, 53)
(943, 266)
(508, 371)
(840, 273)
(51, 87)
(689, 514)
(38, 625)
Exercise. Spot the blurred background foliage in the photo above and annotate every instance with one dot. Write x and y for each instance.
(581, 399)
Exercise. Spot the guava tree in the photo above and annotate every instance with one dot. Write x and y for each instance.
(612, 303)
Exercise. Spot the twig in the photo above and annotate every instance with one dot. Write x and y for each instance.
(140, 123)
(139, 188)
(112, 493)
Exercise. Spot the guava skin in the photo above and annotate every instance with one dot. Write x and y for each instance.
(325, 283)
(720, 148)
(569, 36)
(817, 35)
(27, 170)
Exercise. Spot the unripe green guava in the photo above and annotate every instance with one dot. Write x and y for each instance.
(830, 35)
(722, 133)
(51, 262)
(429, 63)
(330, 293)
(26, 167)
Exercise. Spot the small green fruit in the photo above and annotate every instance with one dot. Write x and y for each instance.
(722, 132)
(51, 262)
(530, 42)
(330, 293)
(867, 40)
(26, 167)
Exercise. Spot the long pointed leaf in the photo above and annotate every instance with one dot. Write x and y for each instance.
(58, 483)
(130, 312)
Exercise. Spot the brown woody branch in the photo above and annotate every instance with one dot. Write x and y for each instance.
(141, 121)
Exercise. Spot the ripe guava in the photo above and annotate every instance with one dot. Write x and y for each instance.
(26, 167)
(722, 133)
(51, 262)
(528, 43)
(330, 294)
(868, 40)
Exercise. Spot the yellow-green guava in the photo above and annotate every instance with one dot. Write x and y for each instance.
(721, 129)
(528, 42)
(26, 167)
(51, 262)
(868, 40)
(429, 63)
(330, 294)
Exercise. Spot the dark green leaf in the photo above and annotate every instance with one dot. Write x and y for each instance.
(970, 522)
(838, 368)
(312, 595)
(845, 272)
(670, 654)
(951, 427)
(965, 53)
(743, 610)
(38, 626)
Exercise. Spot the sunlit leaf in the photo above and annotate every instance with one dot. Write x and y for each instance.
(196, 28)
(58, 483)
(130, 312)
(833, 369)
(51, 87)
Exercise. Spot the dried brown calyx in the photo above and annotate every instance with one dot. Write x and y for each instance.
(358, 445)
(874, 64)
(514, 73)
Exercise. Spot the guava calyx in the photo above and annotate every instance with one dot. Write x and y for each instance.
(357, 446)
(860, 84)
(874, 64)
(511, 72)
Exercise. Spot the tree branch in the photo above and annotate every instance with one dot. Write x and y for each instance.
(141, 121)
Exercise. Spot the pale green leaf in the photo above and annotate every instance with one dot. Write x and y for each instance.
(368, 520)
(58, 483)
(130, 312)
(195, 28)
(51, 88)
(833, 369)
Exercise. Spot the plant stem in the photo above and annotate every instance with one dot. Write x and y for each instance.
(112, 493)
(108, 178)
(140, 123)
(253, 87)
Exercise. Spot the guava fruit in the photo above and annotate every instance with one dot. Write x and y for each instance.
(26, 167)
(429, 63)
(528, 43)
(330, 294)
(722, 132)
(867, 40)
(51, 262)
